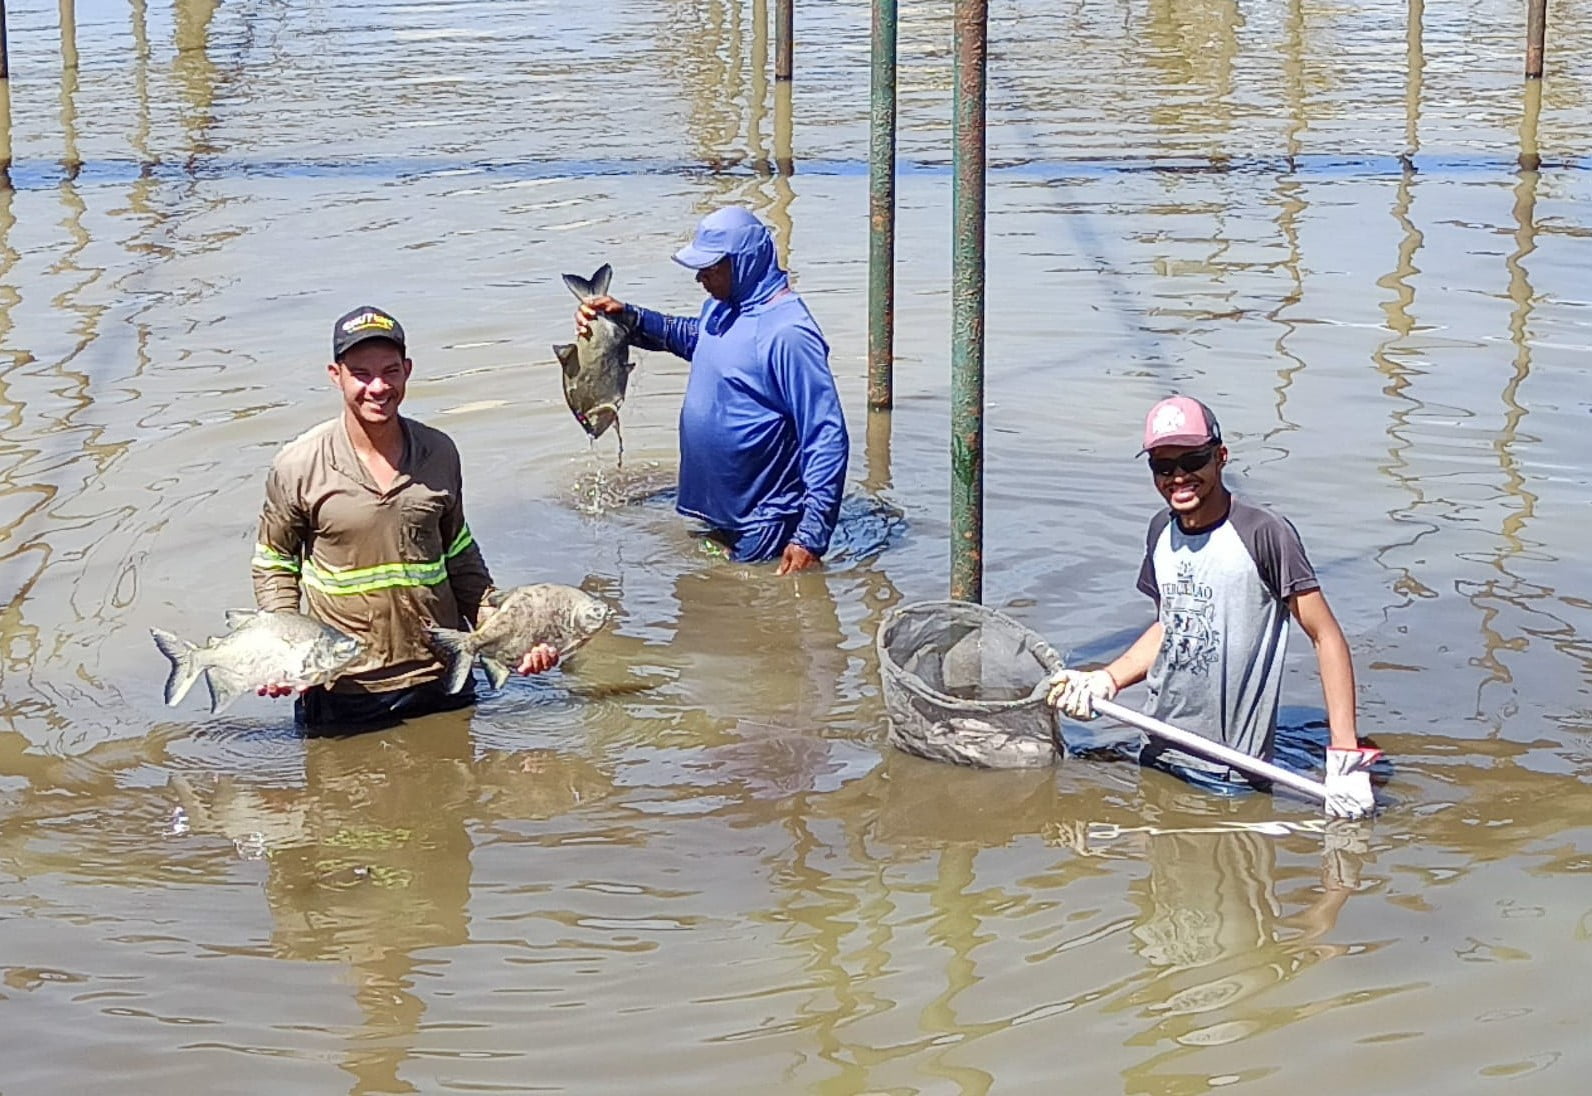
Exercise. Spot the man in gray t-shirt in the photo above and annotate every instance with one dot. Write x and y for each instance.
(1226, 578)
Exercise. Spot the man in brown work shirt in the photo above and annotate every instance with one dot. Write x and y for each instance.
(364, 517)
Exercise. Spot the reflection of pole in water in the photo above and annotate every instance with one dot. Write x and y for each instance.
(1536, 35)
(757, 100)
(971, 51)
(1398, 310)
(784, 194)
(1524, 300)
(882, 209)
(957, 925)
(1291, 202)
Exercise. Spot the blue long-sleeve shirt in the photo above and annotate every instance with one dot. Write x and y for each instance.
(762, 435)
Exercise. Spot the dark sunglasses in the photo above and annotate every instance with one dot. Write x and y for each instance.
(1188, 462)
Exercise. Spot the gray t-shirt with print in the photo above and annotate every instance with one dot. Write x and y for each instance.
(1222, 595)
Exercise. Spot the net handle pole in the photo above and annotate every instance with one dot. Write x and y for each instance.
(1194, 743)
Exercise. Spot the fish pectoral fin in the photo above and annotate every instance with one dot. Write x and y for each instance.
(496, 672)
(237, 618)
(224, 688)
(568, 357)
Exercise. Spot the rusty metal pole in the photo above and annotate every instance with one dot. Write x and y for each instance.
(971, 65)
(882, 209)
(1536, 33)
(784, 19)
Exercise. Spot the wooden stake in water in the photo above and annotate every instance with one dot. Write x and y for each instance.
(1536, 33)
(784, 20)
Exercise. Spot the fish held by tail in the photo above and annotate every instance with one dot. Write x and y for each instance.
(595, 286)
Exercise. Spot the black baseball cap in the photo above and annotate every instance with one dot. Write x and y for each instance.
(365, 322)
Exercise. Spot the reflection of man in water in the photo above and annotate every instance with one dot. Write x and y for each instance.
(759, 652)
(1226, 577)
(763, 443)
(1214, 929)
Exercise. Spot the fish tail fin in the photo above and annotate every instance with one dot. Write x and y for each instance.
(457, 650)
(224, 689)
(496, 672)
(185, 665)
(595, 286)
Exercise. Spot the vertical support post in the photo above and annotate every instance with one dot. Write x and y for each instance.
(5, 51)
(882, 209)
(971, 51)
(1536, 33)
(68, 34)
(784, 20)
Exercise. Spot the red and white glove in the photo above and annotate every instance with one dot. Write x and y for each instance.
(1349, 782)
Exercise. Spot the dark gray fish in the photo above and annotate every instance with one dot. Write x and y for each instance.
(561, 616)
(262, 648)
(597, 367)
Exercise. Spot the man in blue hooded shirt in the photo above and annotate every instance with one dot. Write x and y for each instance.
(763, 443)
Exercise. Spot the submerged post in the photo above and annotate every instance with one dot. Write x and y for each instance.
(967, 300)
(784, 18)
(69, 34)
(1536, 33)
(881, 209)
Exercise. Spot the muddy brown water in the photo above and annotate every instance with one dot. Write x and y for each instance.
(691, 863)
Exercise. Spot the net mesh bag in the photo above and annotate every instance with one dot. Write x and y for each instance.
(965, 684)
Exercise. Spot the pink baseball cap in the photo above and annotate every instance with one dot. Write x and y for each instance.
(1180, 420)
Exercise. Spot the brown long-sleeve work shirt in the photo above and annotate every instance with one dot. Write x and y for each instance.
(378, 565)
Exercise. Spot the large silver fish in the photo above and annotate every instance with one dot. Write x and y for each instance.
(262, 648)
(522, 617)
(596, 367)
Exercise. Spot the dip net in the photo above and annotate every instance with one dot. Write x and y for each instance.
(965, 684)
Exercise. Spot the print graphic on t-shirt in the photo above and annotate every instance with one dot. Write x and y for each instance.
(1191, 643)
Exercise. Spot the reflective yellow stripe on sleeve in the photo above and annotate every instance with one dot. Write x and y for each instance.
(267, 558)
(460, 543)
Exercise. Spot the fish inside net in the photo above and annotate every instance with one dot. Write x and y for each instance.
(966, 684)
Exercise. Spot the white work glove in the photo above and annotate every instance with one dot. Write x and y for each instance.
(1075, 691)
(1349, 782)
